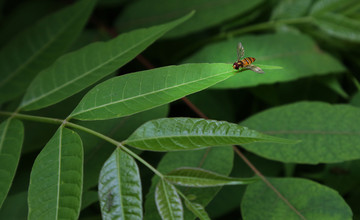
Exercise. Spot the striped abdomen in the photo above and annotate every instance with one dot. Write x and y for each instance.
(244, 62)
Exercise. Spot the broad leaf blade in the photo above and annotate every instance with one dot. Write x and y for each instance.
(136, 92)
(297, 54)
(84, 67)
(168, 201)
(11, 140)
(197, 209)
(286, 9)
(143, 13)
(329, 133)
(120, 188)
(56, 178)
(339, 26)
(197, 177)
(38, 46)
(312, 200)
(216, 159)
(169, 134)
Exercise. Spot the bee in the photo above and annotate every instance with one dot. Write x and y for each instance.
(245, 63)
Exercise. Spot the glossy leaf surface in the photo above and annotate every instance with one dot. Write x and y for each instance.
(56, 178)
(139, 91)
(329, 133)
(38, 46)
(196, 177)
(11, 140)
(312, 200)
(297, 54)
(84, 67)
(120, 188)
(170, 134)
(168, 201)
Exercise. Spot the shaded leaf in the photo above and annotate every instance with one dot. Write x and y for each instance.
(120, 188)
(136, 92)
(312, 200)
(168, 201)
(56, 178)
(355, 100)
(15, 207)
(197, 209)
(323, 6)
(197, 177)
(338, 25)
(286, 9)
(11, 140)
(169, 134)
(84, 67)
(144, 13)
(38, 46)
(216, 159)
(88, 198)
(24, 15)
(329, 133)
(297, 54)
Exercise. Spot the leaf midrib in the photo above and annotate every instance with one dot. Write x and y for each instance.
(35, 55)
(86, 73)
(192, 136)
(4, 134)
(149, 93)
(312, 132)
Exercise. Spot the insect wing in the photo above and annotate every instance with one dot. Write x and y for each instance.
(240, 51)
(254, 68)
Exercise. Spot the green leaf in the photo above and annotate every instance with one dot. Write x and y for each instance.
(216, 159)
(15, 207)
(38, 46)
(168, 201)
(323, 6)
(339, 26)
(97, 151)
(169, 134)
(329, 133)
(333, 83)
(11, 140)
(355, 100)
(144, 13)
(312, 200)
(120, 188)
(56, 178)
(24, 15)
(297, 54)
(286, 9)
(88, 198)
(197, 209)
(197, 177)
(136, 92)
(84, 67)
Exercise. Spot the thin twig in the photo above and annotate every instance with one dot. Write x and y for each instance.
(267, 181)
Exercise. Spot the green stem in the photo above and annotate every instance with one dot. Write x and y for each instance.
(82, 128)
(33, 118)
(141, 160)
